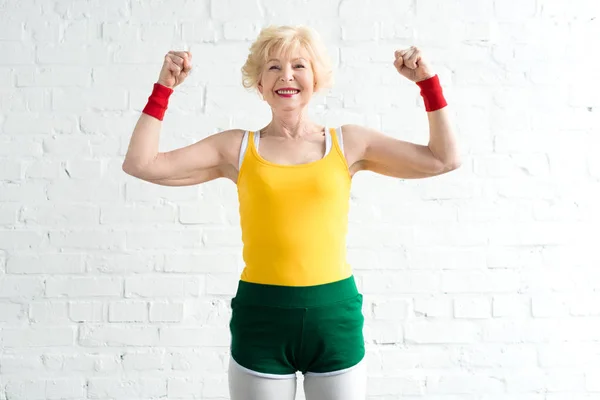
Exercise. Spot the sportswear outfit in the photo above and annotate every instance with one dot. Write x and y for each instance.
(297, 307)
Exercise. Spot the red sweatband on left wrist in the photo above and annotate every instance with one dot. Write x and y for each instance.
(158, 101)
(432, 94)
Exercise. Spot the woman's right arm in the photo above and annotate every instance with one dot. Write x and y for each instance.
(200, 162)
(197, 163)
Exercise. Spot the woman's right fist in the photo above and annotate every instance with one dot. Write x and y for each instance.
(176, 67)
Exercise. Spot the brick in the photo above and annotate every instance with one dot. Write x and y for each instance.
(86, 311)
(476, 307)
(157, 286)
(46, 264)
(70, 215)
(129, 311)
(442, 332)
(124, 335)
(116, 387)
(12, 287)
(39, 77)
(38, 336)
(152, 360)
(401, 282)
(166, 312)
(84, 287)
(137, 214)
(11, 313)
(20, 53)
(21, 363)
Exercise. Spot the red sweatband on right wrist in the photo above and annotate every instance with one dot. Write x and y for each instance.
(432, 94)
(158, 101)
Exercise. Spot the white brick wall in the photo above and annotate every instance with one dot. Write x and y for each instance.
(482, 284)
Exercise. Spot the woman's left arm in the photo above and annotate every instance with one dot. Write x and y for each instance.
(401, 159)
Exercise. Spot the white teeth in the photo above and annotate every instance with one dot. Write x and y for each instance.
(287, 91)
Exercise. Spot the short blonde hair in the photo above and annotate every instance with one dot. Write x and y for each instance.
(287, 39)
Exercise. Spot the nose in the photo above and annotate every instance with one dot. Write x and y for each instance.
(287, 74)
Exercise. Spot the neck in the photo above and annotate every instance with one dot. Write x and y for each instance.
(292, 125)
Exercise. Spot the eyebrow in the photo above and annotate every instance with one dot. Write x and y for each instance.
(276, 59)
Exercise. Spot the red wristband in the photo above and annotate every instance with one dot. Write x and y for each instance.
(158, 101)
(432, 94)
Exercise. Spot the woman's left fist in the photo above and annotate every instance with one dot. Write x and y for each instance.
(410, 64)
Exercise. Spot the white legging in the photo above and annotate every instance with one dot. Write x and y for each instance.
(349, 385)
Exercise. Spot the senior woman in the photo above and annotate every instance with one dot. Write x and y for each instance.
(297, 307)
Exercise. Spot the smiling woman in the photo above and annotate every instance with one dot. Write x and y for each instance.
(297, 307)
(287, 41)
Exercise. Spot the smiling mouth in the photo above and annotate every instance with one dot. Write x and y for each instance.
(287, 92)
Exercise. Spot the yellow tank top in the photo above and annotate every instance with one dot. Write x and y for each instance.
(294, 218)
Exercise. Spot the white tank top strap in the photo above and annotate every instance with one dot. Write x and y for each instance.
(328, 140)
(340, 138)
(243, 148)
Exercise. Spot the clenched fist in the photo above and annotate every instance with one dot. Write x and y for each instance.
(176, 67)
(411, 64)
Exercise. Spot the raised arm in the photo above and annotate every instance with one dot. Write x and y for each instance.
(385, 155)
(200, 162)
(203, 161)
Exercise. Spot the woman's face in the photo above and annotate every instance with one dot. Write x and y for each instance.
(294, 73)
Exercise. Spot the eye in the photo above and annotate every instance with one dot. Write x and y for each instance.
(274, 66)
(300, 65)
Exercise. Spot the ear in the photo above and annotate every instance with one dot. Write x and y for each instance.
(260, 90)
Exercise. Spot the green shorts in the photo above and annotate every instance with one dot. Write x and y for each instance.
(278, 330)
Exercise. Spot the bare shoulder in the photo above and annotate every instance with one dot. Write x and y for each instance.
(355, 142)
(230, 143)
(357, 133)
(230, 140)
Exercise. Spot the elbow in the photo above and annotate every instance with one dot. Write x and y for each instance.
(446, 163)
(451, 162)
(127, 168)
(136, 167)
(443, 167)
(451, 166)
(131, 169)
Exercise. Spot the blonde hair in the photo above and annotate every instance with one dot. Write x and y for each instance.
(287, 39)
